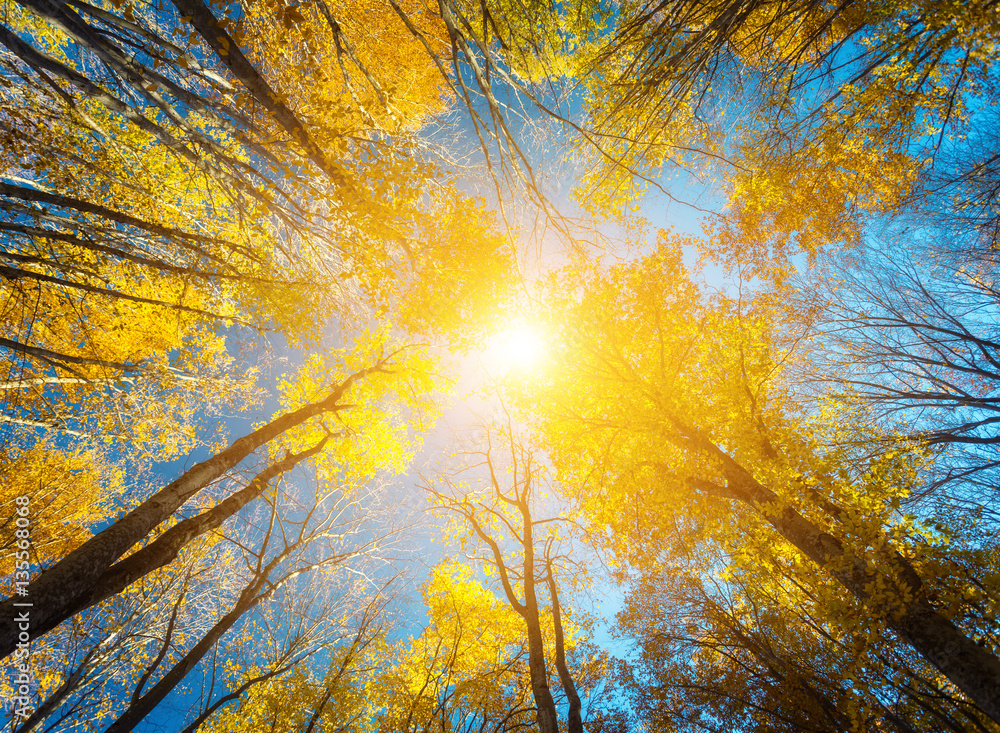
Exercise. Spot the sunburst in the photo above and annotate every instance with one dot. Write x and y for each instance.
(518, 347)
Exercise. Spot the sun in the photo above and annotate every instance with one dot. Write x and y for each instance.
(518, 347)
(523, 346)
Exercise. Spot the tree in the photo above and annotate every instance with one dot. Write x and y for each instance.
(501, 513)
(299, 698)
(297, 537)
(663, 398)
(68, 490)
(105, 197)
(752, 649)
(96, 570)
(466, 670)
(266, 596)
(174, 179)
(152, 203)
(817, 117)
(290, 549)
(908, 340)
(75, 665)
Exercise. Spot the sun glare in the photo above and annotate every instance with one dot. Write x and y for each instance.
(519, 347)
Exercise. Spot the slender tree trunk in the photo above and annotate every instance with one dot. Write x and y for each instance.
(19, 384)
(143, 78)
(259, 589)
(574, 716)
(201, 18)
(11, 273)
(52, 357)
(520, 497)
(43, 63)
(548, 721)
(41, 424)
(120, 254)
(164, 549)
(143, 706)
(59, 592)
(229, 697)
(32, 195)
(54, 700)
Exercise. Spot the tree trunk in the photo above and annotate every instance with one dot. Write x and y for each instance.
(165, 548)
(62, 590)
(259, 589)
(574, 715)
(55, 358)
(973, 669)
(23, 193)
(548, 721)
(143, 706)
(228, 51)
(11, 273)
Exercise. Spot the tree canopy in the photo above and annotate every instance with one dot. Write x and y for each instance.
(491, 366)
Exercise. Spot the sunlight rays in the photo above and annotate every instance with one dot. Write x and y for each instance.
(519, 347)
